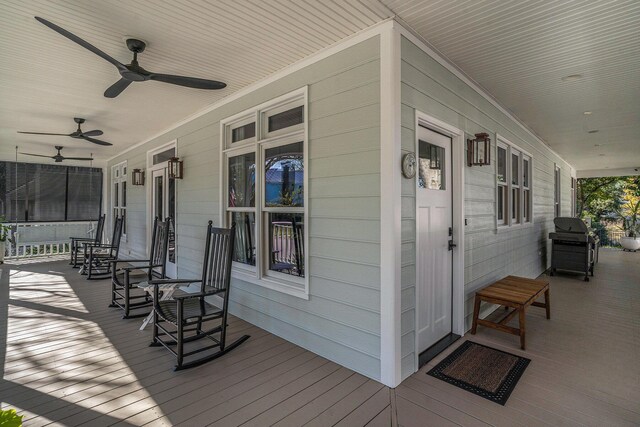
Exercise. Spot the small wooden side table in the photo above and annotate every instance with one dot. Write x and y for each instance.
(516, 293)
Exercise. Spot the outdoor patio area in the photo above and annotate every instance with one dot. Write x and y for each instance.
(69, 360)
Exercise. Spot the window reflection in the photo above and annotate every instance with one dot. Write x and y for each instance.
(286, 243)
(245, 242)
(242, 180)
(284, 176)
(431, 166)
(502, 164)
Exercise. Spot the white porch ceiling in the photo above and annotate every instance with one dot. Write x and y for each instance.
(46, 79)
(518, 50)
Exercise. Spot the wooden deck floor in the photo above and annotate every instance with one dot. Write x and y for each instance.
(585, 361)
(70, 360)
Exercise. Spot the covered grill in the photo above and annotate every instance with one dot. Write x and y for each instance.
(573, 247)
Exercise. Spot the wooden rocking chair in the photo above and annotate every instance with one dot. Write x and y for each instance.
(187, 312)
(97, 257)
(124, 292)
(76, 242)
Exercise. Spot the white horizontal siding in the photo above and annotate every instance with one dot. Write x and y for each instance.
(430, 88)
(341, 319)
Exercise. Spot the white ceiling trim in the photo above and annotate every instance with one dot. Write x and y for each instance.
(349, 41)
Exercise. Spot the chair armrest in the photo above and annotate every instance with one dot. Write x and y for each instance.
(86, 239)
(115, 261)
(97, 245)
(141, 267)
(157, 282)
(196, 295)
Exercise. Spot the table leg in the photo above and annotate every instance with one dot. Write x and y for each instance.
(547, 303)
(166, 294)
(522, 327)
(476, 313)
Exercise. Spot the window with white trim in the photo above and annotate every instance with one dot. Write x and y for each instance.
(264, 152)
(119, 194)
(514, 196)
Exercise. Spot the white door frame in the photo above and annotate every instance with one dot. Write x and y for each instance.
(457, 191)
(149, 184)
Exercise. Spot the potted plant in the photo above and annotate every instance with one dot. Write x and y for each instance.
(10, 418)
(630, 213)
(4, 234)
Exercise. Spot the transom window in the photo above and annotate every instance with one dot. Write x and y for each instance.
(163, 156)
(264, 181)
(514, 198)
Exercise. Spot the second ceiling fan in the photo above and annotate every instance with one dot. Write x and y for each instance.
(78, 134)
(133, 72)
(59, 157)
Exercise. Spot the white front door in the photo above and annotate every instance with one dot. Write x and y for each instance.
(434, 232)
(163, 205)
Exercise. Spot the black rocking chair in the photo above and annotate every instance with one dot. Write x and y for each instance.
(76, 242)
(188, 311)
(98, 257)
(124, 292)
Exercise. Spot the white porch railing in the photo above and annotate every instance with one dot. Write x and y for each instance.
(45, 238)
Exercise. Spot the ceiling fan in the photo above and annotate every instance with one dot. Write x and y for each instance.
(133, 72)
(58, 157)
(78, 134)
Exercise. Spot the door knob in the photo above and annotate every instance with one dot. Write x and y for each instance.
(452, 245)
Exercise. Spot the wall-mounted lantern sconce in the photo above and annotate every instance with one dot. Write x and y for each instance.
(175, 168)
(479, 150)
(137, 177)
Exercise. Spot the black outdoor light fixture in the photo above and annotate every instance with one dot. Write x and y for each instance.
(479, 150)
(137, 177)
(175, 168)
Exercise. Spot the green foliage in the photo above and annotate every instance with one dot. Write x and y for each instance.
(4, 229)
(612, 202)
(10, 418)
(598, 196)
(629, 210)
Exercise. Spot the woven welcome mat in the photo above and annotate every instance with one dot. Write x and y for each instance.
(482, 370)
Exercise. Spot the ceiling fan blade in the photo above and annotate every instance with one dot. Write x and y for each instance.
(81, 42)
(95, 132)
(95, 141)
(117, 88)
(188, 81)
(37, 155)
(77, 158)
(45, 133)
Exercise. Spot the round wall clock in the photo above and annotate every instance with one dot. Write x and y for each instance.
(409, 165)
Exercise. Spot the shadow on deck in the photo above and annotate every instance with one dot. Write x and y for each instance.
(68, 359)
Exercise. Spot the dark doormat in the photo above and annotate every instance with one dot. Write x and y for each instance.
(482, 370)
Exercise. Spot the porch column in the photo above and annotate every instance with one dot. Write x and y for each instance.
(390, 207)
